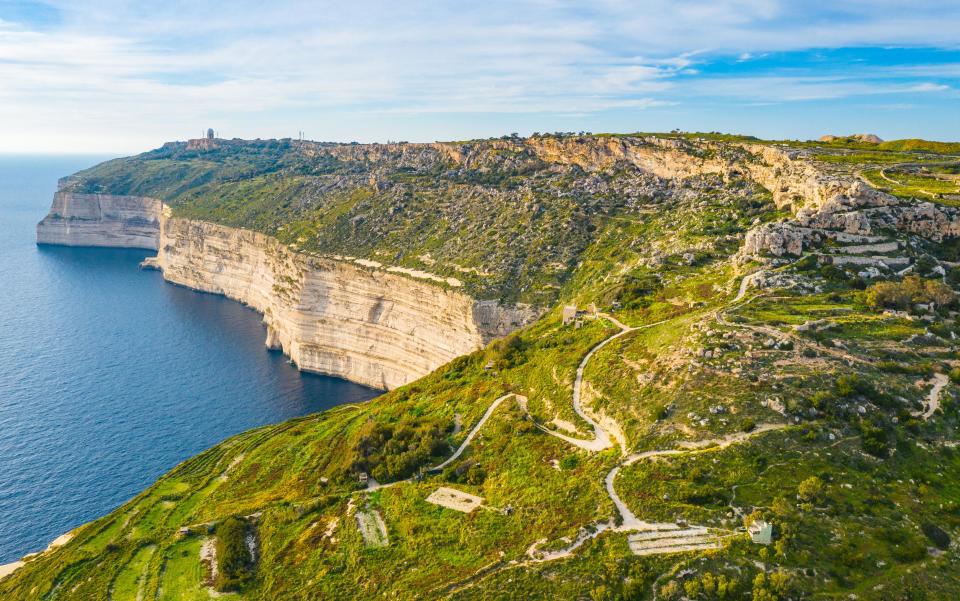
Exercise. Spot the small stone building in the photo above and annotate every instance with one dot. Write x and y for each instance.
(569, 314)
(761, 532)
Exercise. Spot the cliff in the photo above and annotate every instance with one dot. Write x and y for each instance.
(507, 218)
(101, 220)
(332, 316)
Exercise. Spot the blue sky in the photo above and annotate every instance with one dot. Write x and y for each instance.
(120, 77)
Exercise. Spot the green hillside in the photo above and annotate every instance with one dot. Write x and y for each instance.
(817, 397)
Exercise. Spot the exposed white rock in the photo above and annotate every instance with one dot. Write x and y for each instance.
(101, 220)
(373, 324)
(330, 316)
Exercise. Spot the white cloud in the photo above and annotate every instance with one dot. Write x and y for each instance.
(134, 73)
(794, 89)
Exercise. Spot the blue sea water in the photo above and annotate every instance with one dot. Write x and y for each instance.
(109, 376)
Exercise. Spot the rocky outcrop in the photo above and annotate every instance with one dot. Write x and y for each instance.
(332, 316)
(866, 138)
(101, 220)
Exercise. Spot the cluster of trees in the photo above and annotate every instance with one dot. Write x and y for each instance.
(907, 292)
(510, 351)
(394, 451)
(709, 586)
(234, 563)
(465, 472)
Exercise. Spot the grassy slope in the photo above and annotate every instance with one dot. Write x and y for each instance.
(864, 529)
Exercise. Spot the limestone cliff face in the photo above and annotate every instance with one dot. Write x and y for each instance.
(824, 205)
(331, 316)
(101, 220)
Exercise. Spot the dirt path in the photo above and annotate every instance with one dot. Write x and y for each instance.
(630, 521)
(799, 341)
(466, 441)
(744, 285)
(669, 536)
(601, 438)
(933, 399)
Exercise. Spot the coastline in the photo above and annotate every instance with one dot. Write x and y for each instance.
(7, 569)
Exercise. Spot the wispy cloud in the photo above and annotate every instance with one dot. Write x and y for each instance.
(109, 73)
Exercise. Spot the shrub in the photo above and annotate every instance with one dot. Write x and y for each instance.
(234, 566)
(810, 489)
(936, 535)
(925, 264)
(849, 385)
(394, 451)
(874, 439)
(570, 461)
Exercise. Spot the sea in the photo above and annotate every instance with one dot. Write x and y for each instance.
(109, 376)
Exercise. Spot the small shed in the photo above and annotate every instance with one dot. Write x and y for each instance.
(184, 531)
(569, 314)
(761, 532)
(363, 478)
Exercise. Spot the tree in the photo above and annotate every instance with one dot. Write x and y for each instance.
(772, 588)
(939, 293)
(874, 439)
(810, 489)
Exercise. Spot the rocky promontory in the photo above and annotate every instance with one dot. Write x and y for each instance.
(101, 220)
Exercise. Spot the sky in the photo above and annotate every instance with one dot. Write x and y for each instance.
(111, 76)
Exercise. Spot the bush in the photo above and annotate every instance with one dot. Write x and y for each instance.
(936, 535)
(234, 565)
(874, 439)
(570, 461)
(925, 264)
(394, 451)
(849, 385)
(810, 489)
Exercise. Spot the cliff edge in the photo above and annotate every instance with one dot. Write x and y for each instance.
(101, 220)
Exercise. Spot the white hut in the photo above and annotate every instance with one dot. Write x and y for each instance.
(761, 532)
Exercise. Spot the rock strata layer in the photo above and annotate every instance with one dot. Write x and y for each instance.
(334, 317)
(330, 316)
(101, 220)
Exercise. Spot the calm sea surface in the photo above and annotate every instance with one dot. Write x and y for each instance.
(109, 376)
